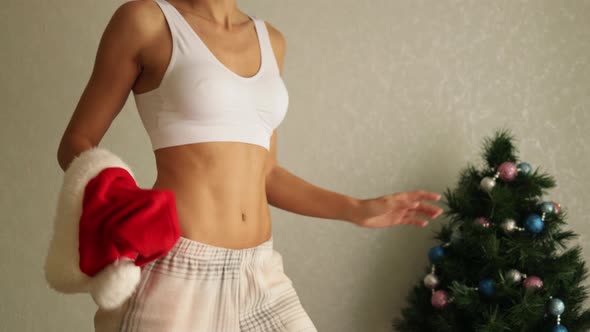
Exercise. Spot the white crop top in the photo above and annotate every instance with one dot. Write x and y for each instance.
(201, 100)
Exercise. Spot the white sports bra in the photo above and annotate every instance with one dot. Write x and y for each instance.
(201, 100)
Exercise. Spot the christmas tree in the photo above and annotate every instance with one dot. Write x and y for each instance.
(503, 262)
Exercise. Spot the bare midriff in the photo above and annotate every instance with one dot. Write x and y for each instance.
(220, 191)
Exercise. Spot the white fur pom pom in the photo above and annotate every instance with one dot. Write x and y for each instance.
(115, 283)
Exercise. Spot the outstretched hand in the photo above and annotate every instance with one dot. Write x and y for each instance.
(402, 208)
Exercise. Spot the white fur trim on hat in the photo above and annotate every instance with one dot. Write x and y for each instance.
(116, 282)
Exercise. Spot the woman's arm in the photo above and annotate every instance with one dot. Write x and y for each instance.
(115, 70)
(307, 199)
(289, 192)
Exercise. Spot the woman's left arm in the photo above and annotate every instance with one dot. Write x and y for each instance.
(286, 191)
(289, 192)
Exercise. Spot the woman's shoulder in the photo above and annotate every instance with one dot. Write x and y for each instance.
(278, 42)
(139, 17)
(274, 33)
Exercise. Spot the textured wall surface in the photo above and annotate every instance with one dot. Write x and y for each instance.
(385, 96)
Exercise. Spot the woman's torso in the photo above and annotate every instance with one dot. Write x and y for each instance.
(209, 119)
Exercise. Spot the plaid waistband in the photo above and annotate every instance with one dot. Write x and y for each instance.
(203, 251)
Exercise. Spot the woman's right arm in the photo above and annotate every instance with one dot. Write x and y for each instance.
(115, 70)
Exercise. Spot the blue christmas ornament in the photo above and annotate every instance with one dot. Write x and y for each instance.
(547, 207)
(559, 328)
(534, 223)
(556, 307)
(435, 254)
(524, 168)
(486, 287)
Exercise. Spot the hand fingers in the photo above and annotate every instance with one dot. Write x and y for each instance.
(414, 222)
(428, 210)
(423, 194)
(407, 204)
(422, 209)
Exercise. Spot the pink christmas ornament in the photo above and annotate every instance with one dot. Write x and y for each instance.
(507, 171)
(533, 282)
(556, 207)
(483, 222)
(439, 299)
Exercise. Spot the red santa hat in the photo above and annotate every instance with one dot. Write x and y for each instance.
(106, 228)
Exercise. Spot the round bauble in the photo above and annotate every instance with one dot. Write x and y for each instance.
(533, 282)
(534, 224)
(556, 207)
(513, 276)
(507, 171)
(487, 184)
(508, 226)
(435, 254)
(431, 281)
(556, 307)
(524, 168)
(486, 287)
(483, 222)
(547, 207)
(439, 299)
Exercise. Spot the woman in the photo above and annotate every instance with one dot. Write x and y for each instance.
(206, 79)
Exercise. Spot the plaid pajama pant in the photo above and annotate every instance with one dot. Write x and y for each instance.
(199, 287)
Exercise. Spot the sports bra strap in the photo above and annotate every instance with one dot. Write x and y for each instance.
(266, 45)
(182, 38)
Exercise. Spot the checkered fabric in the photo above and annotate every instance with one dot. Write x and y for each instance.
(199, 287)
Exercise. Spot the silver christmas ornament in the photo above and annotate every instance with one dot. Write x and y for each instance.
(508, 226)
(431, 281)
(487, 184)
(547, 207)
(513, 276)
(556, 307)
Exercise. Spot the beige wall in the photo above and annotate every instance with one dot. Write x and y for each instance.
(385, 96)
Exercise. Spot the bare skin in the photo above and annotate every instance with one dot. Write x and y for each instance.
(219, 186)
(222, 189)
